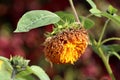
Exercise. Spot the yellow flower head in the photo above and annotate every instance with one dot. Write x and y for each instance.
(67, 46)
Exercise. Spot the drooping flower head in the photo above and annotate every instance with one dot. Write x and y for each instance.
(66, 46)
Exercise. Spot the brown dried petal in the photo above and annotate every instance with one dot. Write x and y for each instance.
(67, 46)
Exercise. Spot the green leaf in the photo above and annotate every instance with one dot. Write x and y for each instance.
(6, 63)
(40, 73)
(26, 72)
(88, 23)
(96, 12)
(111, 50)
(111, 10)
(94, 9)
(36, 18)
(91, 3)
(113, 47)
(65, 16)
(5, 69)
(25, 78)
(115, 19)
(25, 75)
(4, 74)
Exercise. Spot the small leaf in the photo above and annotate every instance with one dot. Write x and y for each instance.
(96, 12)
(87, 23)
(20, 79)
(40, 73)
(36, 18)
(115, 19)
(91, 3)
(25, 75)
(111, 10)
(26, 72)
(113, 47)
(65, 16)
(94, 9)
(25, 78)
(111, 50)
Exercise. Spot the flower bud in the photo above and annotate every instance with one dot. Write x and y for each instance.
(18, 63)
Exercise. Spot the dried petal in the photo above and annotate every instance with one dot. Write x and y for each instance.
(67, 46)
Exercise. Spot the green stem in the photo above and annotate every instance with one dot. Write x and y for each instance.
(109, 39)
(101, 53)
(75, 12)
(105, 60)
(90, 15)
(103, 31)
(13, 74)
(106, 63)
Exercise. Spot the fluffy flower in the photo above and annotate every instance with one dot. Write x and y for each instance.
(67, 46)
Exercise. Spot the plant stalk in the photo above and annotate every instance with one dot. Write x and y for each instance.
(103, 31)
(13, 74)
(109, 39)
(101, 53)
(105, 60)
(75, 12)
(106, 63)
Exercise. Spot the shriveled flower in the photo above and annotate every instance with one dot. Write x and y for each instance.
(67, 46)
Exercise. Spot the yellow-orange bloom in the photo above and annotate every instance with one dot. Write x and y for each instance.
(67, 46)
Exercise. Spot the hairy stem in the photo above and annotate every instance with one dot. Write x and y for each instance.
(13, 74)
(75, 12)
(106, 63)
(101, 53)
(103, 31)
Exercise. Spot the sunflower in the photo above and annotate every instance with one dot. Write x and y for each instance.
(66, 46)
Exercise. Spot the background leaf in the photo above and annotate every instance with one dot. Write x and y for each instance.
(92, 4)
(26, 72)
(111, 50)
(39, 72)
(96, 12)
(112, 10)
(113, 47)
(36, 18)
(5, 69)
(6, 63)
(88, 23)
(25, 78)
(65, 16)
(115, 19)
(94, 9)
